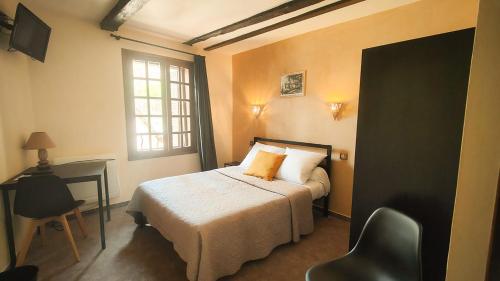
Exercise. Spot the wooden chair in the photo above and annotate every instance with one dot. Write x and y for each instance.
(43, 199)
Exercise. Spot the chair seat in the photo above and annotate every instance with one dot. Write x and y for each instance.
(349, 268)
(388, 249)
(42, 199)
(22, 273)
(66, 211)
(78, 203)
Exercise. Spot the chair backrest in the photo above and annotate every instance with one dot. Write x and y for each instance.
(392, 241)
(42, 196)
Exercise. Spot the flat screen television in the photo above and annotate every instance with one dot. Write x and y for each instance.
(30, 34)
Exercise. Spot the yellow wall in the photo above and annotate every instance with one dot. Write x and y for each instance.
(332, 59)
(77, 97)
(16, 121)
(480, 156)
(220, 81)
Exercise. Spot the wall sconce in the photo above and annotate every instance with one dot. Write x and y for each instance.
(256, 109)
(336, 108)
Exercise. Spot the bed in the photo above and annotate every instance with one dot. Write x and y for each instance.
(217, 220)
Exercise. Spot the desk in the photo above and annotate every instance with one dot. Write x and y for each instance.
(71, 173)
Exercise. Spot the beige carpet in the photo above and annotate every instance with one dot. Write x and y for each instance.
(134, 253)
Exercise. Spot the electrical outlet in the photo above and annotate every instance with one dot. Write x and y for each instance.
(343, 156)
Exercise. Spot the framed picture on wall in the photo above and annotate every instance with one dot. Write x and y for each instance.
(293, 84)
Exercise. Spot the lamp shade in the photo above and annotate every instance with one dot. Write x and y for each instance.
(39, 140)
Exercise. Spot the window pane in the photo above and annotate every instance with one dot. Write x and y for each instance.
(143, 142)
(174, 73)
(176, 124)
(155, 89)
(154, 70)
(141, 106)
(176, 140)
(186, 75)
(141, 125)
(186, 92)
(140, 88)
(187, 140)
(186, 124)
(174, 91)
(157, 142)
(176, 107)
(155, 107)
(157, 124)
(185, 108)
(139, 68)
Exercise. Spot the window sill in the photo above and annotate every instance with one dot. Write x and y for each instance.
(160, 154)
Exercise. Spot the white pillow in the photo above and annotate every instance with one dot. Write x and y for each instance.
(256, 148)
(298, 165)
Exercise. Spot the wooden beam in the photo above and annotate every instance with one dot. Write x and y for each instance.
(325, 9)
(123, 10)
(280, 10)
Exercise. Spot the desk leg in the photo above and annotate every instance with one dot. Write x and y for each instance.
(106, 190)
(9, 228)
(101, 213)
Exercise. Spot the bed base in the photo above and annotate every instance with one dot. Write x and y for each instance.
(139, 219)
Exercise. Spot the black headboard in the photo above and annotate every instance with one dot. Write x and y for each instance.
(325, 164)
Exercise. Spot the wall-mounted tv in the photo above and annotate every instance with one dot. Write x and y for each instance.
(30, 34)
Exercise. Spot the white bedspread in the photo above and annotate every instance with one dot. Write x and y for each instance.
(219, 219)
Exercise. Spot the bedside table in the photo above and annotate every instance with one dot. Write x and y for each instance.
(234, 163)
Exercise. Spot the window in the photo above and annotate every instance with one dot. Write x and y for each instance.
(159, 105)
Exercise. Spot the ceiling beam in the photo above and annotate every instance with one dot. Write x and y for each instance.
(123, 10)
(319, 11)
(280, 10)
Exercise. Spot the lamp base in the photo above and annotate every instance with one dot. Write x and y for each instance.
(41, 172)
(43, 163)
(43, 166)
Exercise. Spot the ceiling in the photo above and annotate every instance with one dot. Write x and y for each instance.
(186, 19)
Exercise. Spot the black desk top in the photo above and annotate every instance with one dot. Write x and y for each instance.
(70, 172)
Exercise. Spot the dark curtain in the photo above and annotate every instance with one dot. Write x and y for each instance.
(206, 144)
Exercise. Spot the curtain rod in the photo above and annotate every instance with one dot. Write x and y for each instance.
(118, 37)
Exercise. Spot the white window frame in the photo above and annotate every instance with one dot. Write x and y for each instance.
(186, 99)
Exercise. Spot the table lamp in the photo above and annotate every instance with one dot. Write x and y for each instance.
(40, 141)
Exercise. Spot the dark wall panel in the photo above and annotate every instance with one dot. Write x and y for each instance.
(411, 112)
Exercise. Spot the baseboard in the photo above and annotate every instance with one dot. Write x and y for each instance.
(333, 214)
(95, 210)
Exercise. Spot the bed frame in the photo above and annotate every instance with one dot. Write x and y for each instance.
(325, 164)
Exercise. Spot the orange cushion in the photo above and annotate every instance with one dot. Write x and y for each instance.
(265, 165)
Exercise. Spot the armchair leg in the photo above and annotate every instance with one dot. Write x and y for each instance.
(25, 246)
(80, 221)
(69, 235)
(326, 203)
